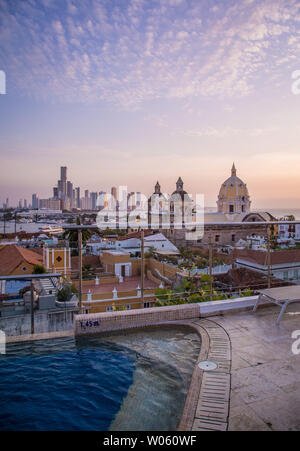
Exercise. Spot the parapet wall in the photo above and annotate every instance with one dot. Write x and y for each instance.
(111, 321)
(102, 322)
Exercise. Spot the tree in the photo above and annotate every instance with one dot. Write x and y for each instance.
(72, 235)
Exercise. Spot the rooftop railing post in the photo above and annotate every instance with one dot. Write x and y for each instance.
(142, 267)
(210, 267)
(31, 307)
(269, 255)
(80, 267)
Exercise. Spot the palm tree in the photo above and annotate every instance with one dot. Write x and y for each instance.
(72, 235)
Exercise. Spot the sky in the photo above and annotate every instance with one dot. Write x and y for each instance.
(128, 92)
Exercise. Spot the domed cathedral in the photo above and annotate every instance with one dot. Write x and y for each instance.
(225, 225)
(233, 196)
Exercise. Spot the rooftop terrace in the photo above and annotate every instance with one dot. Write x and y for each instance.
(265, 374)
(256, 369)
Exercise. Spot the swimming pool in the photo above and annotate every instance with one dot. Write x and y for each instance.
(13, 286)
(136, 381)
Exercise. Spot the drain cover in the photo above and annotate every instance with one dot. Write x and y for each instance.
(206, 365)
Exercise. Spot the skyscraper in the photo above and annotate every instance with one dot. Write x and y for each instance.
(114, 192)
(77, 197)
(63, 178)
(94, 200)
(35, 201)
(69, 190)
(63, 173)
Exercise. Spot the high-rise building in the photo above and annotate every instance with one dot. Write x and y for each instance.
(63, 178)
(77, 197)
(55, 192)
(69, 190)
(63, 173)
(59, 188)
(94, 200)
(25, 203)
(101, 200)
(114, 192)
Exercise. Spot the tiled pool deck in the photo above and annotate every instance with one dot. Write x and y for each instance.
(265, 374)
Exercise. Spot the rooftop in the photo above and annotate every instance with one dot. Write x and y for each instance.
(276, 257)
(11, 256)
(265, 377)
(129, 284)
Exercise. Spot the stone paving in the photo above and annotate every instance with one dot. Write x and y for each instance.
(265, 374)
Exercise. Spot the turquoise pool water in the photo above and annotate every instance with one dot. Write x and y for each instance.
(136, 381)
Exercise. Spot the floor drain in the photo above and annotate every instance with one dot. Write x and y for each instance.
(206, 365)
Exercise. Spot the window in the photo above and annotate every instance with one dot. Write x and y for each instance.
(232, 237)
(24, 268)
(231, 208)
(217, 238)
(243, 208)
(128, 307)
(146, 304)
(286, 275)
(109, 308)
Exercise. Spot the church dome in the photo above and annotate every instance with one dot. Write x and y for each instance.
(233, 196)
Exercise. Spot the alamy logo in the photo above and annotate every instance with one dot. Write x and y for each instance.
(296, 84)
(2, 342)
(296, 344)
(160, 211)
(2, 82)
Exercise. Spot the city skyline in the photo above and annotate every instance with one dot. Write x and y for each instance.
(128, 93)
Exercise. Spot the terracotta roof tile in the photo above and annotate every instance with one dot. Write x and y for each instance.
(11, 256)
(261, 258)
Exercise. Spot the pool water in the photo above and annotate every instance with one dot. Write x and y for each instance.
(136, 381)
(13, 286)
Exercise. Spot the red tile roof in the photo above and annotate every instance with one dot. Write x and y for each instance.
(11, 256)
(261, 257)
(240, 278)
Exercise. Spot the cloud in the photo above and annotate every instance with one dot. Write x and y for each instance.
(127, 53)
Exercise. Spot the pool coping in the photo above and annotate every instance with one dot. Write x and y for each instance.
(207, 402)
(39, 336)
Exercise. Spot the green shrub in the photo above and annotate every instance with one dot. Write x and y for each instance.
(39, 269)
